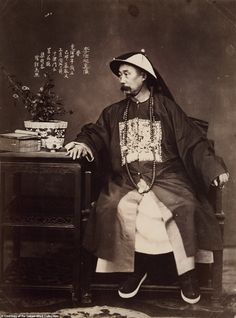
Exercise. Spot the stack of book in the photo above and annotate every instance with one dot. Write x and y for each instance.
(20, 141)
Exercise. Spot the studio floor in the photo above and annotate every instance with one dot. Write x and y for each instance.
(146, 303)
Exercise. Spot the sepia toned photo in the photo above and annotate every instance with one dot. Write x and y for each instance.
(117, 152)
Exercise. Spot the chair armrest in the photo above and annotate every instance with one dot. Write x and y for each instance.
(218, 203)
(215, 198)
(88, 204)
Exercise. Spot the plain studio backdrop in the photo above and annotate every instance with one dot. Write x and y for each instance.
(191, 42)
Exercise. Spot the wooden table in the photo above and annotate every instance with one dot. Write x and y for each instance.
(53, 209)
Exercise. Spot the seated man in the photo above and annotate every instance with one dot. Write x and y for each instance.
(159, 169)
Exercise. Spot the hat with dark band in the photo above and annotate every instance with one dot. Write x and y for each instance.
(137, 59)
(140, 60)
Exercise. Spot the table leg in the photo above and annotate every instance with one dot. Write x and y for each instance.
(77, 236)
(2, 206)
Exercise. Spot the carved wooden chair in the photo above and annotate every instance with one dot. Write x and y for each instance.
(210, 275)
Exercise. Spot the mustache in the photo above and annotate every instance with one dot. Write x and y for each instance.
(125, 88)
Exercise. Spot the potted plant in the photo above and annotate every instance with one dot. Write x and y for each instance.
(42, 106)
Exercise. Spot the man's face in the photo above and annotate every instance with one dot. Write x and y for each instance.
(131, 79)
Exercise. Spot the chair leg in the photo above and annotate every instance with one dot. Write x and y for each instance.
(217, 274)
(87, 271)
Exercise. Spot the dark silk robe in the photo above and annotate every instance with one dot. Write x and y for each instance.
(186, 166)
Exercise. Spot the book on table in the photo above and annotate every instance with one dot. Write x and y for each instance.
(20, 141)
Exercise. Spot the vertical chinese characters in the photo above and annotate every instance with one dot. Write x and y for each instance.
(86, 62)
(65, 62)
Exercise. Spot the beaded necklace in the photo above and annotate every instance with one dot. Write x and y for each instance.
(152, 122)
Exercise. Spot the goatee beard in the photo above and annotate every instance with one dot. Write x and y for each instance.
(126, 90)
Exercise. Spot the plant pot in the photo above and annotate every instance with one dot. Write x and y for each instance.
(52, 132)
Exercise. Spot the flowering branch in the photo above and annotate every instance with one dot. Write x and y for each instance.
(42, 106)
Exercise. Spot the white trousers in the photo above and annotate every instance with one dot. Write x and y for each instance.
(156, 232)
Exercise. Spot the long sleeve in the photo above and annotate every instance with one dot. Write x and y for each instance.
(96, 136)
(195, 150)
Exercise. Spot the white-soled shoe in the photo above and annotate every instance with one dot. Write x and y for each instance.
(190, 300)
(131, 286)
(190, 292)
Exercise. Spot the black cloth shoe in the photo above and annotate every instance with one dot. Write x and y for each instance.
(131, 286)
(190, 292)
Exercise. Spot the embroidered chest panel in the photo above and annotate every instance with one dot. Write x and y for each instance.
(139, 140)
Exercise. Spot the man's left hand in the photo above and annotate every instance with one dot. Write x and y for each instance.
(221, 180)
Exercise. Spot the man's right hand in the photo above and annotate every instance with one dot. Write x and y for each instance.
(77, 150)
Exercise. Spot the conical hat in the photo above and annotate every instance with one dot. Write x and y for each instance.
(137, 59)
